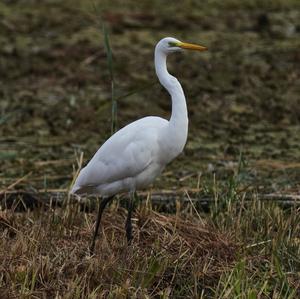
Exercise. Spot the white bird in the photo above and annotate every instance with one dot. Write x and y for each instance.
(135, 155)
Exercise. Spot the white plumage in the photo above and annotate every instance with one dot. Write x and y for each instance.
(135, 155)
(128, 160)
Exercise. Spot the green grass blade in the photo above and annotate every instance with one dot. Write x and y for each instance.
(114, 109)
(108, 51)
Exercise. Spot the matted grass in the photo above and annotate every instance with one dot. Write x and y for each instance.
(45, 254)
(240, 249)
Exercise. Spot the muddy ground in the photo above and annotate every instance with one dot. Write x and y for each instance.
(243, 94)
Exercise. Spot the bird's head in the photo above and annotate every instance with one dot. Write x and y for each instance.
(170, 45)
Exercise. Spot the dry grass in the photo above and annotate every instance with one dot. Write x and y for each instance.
(239, 249)
(44, 254)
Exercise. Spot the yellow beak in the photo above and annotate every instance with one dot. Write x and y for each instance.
(191, 47)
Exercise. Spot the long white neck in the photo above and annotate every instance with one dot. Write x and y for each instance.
(178, 123)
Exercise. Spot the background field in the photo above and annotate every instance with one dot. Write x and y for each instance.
(213, 230)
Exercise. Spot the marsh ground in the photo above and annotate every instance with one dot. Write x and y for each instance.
(244, 142)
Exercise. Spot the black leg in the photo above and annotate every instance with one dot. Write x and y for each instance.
(102, 206)
(128, 224)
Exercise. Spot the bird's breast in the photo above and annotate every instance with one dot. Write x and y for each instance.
(172, 144)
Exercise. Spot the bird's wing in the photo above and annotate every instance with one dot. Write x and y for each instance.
(127, 162)
(124, 155)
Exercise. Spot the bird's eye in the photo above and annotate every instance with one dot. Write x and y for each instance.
(172, 44)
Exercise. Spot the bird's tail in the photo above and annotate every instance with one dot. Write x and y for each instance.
(74, 189)
(81, 190)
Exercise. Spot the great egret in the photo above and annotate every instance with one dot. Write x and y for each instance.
(135, 155)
